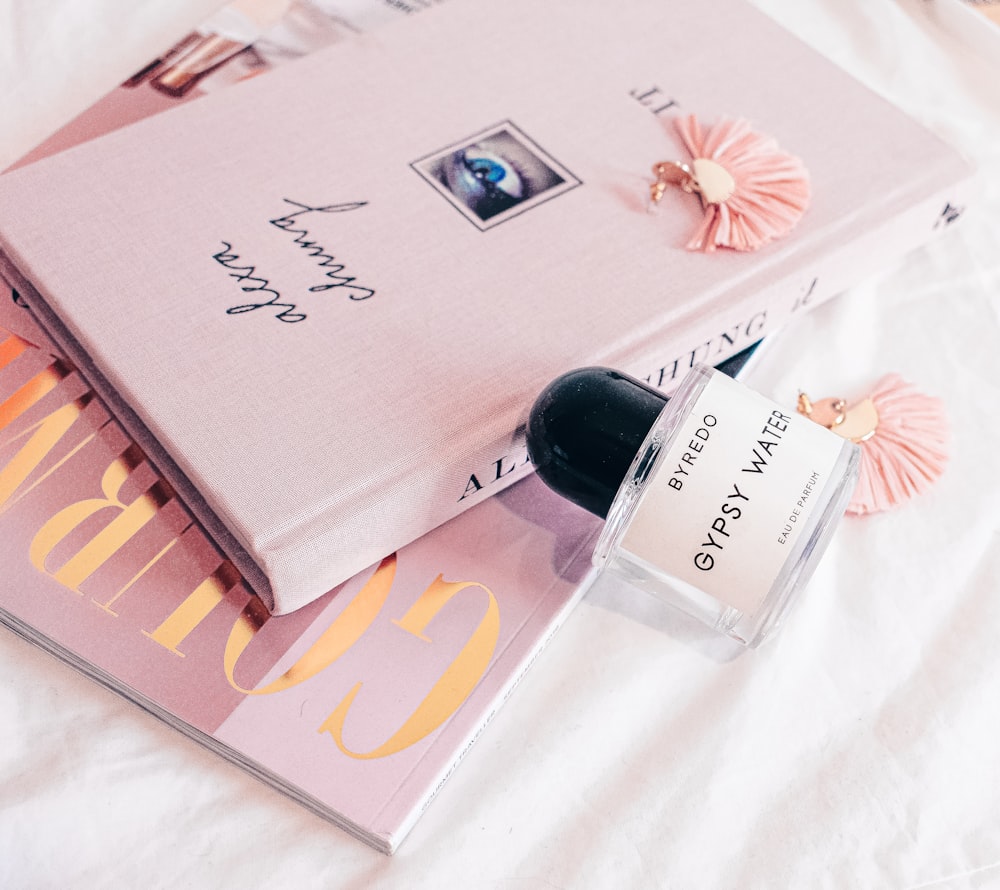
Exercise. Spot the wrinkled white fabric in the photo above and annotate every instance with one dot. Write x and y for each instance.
(857, 749)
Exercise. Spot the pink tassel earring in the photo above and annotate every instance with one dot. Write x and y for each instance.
(903, 435)
(751, 190)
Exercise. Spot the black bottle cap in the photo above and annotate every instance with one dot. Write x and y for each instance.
(586, 428)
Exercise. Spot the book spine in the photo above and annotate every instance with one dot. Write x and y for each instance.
(448, 486)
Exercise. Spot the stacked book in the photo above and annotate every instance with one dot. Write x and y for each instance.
(269, 347)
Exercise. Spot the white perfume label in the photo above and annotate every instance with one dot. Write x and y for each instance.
(731, 497)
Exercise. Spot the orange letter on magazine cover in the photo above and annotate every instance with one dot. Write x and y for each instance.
(452, 687)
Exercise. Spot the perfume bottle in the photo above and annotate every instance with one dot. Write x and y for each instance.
(718, 501)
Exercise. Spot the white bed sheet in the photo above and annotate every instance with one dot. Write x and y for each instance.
(860, 749)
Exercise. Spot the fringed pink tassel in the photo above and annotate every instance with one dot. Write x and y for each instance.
(766, 190)
(903, 435)
(908, 451)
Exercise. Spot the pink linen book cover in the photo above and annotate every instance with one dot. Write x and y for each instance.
(328, 334)
(358, 705)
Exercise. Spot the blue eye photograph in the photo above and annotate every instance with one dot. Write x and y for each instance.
(494, 175)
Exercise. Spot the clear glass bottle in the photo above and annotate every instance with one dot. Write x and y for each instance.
(717, 501)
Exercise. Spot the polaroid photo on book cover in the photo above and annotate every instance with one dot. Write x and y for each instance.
(495, 174)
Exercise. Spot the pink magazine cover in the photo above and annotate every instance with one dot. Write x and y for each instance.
(358, 705)
(329, 344)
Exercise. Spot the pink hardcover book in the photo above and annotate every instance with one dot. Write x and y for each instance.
(359, 705)
(103, 567)
(324, 300)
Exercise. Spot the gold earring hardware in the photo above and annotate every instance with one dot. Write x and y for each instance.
(857, 422)
(669, 173)
(704, 177)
